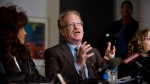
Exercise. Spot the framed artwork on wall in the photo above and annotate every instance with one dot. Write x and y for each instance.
(37, 38)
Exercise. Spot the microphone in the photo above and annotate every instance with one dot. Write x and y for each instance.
(131, 58)
(112, 63)
(138, 64)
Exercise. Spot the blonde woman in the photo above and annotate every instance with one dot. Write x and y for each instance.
(140, 43)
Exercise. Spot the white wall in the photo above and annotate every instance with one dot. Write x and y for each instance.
(144, 14)
(44, 9)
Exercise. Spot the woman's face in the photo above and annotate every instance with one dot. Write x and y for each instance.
(21, 35)
(147, 41)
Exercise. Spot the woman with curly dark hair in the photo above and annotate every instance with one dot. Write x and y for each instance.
(16, 65)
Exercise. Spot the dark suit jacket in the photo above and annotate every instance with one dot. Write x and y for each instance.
(59, 59)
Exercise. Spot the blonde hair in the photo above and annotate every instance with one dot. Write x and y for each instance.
(138, 41)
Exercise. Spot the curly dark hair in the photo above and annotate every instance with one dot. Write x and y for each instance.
(11, 20)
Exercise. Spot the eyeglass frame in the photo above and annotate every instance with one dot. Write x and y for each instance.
(71, 24)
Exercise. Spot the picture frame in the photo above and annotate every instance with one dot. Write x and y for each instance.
(37, 38)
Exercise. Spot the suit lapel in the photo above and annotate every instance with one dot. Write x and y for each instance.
(67, 52)
(90, 67)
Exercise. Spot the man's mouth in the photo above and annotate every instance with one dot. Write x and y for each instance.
(77, 32)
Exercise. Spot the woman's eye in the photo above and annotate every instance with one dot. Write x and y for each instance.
(148, 39)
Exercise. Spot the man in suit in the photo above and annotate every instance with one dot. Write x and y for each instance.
(63, 58)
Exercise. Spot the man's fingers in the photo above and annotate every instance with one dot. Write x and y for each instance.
(89, 55)
(86, 47)
(114, 48)
(105, 57)
(84, 43)
(108, 46)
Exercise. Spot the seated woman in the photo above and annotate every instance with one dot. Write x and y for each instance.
(140, 66)
(16, 65)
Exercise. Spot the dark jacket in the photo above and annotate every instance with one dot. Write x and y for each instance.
(59, 59)
(140, 66)
(28, 73)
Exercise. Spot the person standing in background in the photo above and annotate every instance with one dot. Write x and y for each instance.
(16, 65)
(119, 33)
(64, 59)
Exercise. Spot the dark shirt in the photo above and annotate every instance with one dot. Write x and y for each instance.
(121, 46)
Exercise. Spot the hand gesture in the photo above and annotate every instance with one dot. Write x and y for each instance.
(109, 53)
(83, 54)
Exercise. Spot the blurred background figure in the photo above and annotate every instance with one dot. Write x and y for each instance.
(120, 32)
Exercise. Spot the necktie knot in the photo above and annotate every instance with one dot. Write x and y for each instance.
(76, 51)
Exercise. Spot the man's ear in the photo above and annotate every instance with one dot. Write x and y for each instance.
(62, 31)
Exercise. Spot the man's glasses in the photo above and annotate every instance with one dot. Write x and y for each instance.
(72, 24)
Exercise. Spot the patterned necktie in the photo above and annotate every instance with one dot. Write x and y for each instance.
(76, 52)
(82, 71)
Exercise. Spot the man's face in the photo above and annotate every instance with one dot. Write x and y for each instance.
(126, 10)
(72, 30)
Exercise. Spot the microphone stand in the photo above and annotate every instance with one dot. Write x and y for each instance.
(136, 67)
(138, 78)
